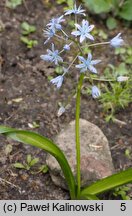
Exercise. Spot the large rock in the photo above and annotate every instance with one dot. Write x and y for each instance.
(96, 161)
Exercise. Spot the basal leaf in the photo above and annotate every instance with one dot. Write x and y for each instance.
(98, 6)
(108, 183)
(41, 142)
(126, 10)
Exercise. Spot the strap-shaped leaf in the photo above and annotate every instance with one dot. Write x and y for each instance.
(108, 183)
(41, 142)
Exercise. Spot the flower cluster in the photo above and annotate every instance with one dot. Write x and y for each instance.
(81, 33)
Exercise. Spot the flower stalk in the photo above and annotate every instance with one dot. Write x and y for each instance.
(97, 44)
(77, 132)
(85, 64)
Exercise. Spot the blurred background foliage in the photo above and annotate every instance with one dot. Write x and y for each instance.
(120, 8)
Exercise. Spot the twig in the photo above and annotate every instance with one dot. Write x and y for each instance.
(9, 183)
(25, 5)
(119, 121)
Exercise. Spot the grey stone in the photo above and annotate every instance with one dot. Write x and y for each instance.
(96, 161)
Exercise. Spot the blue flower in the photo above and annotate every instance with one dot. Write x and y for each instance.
(117, 41)
(49, 34)
(95, 92)
(57, 81)
(87, 64)
(52, 56)
(75, 10)
(83, 31)
(67, 47)
(55, 23)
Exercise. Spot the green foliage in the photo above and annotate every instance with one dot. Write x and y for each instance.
(71, 23)
(13, 3)
(44, 169)
(41, 142)
(98, 6)
(69, 3)
(27, 29)
(108, 183)
(122, 192)
(119, 8)
(50, 77)
(100, 33)
(116, 95)
(128, 154)
(113, 72)
(28, 164)
(59, 70)
(29, 43)
(125, 54)
(111, 23)
(126, 10)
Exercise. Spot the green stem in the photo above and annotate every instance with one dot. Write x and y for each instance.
(77, 130)
(97, 44)
(101, 79)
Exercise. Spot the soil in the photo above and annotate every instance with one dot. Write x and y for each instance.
(26, 96)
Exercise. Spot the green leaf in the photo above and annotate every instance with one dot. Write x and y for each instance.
(111, 23)
(13, 3)
(27, 167)
(44, 169)
(59, 70)
(34, 161)
(19, 165)
(129, 51)
(24, 40)
(120, 50)
(50, 78)
(109, 118)
(126, 10)
(29, 158)
(108, 183)
(128, 60)
(68, 2)
(98, 6)
(121, 70)
(27, 28)
(102, 34)
(41, 142)
(32, 43)
(28, 42)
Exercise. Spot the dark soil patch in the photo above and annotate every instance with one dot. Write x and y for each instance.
(23, 75)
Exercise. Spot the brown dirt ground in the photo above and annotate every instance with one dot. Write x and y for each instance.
(24, 75)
